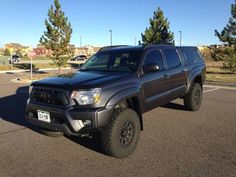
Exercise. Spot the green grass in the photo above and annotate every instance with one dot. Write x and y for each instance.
(218, 70)
(5, 67)
(228, 78)
(36, 58)
(217, 74)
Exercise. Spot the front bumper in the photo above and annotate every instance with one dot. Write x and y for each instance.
(69, 120)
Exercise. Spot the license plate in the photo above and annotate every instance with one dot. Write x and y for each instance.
(43, 116)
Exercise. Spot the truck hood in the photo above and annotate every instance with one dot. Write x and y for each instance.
(82, 80)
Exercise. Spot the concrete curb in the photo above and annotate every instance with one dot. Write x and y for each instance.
(22, 81)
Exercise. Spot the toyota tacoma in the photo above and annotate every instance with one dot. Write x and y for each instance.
(108, 95)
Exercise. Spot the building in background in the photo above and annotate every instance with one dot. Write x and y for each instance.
(80, 51)
(16, 48)
(87, 50)
(42, 51)
(92, 50)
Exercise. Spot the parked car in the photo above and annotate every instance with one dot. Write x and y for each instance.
(14, 58)
(79, 58)
(112, 90)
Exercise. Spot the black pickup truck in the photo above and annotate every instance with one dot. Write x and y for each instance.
(111, 91)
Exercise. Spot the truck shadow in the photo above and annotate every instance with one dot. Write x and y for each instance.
(176, 106)
(92, 143)
(13, 107)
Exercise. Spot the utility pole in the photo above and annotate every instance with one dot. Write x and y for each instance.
(110, 37)
(135, 41)
(180, 38)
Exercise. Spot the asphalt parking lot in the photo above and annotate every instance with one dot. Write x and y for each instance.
(174, 143)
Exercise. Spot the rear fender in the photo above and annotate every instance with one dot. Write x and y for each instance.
(200, 73)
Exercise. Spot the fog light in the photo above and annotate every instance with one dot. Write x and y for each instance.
(30, 115)
(84, 123)
(80, 123)
(87, 123)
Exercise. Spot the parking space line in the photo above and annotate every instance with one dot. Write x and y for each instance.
(210, 90)
(220, 87)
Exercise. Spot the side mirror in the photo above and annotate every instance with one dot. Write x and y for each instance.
(151, 67)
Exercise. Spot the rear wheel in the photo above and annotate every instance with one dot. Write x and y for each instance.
(193, 99)
(121, 136)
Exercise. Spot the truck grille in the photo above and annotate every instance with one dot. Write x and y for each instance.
(49, 96)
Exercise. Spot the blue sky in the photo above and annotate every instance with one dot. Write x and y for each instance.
(22, 21)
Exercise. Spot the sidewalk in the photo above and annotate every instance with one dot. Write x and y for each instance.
(28, 70)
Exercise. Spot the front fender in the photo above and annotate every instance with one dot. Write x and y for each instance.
(123, 95)
(105, 114)
(131, 92)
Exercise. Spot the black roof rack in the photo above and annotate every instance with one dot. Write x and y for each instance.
(110, 47)
(155, 45)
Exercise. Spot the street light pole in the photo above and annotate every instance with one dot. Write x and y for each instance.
(80, 41)
(110, 37)
(180, 36)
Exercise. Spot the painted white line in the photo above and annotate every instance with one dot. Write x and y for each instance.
(211, 90)
(220, 87)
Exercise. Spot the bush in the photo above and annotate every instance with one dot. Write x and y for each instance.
(230, 62)
(207, 54)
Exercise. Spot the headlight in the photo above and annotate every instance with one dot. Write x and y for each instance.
(30, 89)
(85, 97)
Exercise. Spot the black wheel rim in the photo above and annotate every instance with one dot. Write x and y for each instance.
(197, 96)
(126, 134)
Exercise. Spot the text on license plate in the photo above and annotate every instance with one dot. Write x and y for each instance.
(43, 116)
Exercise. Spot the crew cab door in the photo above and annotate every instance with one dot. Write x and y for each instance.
(155, 85)
(177, 72)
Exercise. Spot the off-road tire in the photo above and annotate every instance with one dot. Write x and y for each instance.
(193, 99)
(120, 137)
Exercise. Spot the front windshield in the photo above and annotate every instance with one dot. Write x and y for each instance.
(114, 61)
(15, 56)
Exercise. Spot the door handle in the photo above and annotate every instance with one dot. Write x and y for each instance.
(166, 77)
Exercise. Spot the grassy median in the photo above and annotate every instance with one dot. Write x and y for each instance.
(220, 75)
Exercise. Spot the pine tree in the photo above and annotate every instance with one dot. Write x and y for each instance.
(18, 52)
(158, 32)
(57, 35)
(228, 36)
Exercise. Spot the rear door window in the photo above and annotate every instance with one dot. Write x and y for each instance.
(192, 55)
(172, 58)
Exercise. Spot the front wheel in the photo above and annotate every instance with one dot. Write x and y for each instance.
(193, 99)
(121, 136)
